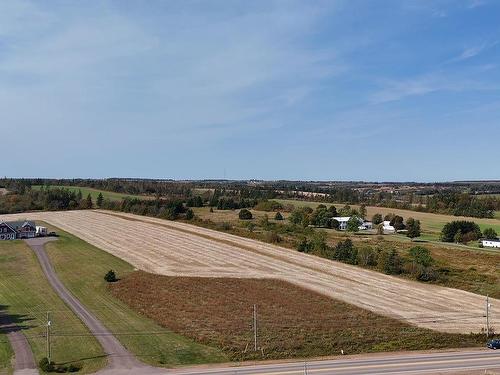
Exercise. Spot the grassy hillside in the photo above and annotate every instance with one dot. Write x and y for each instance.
(82, 267)
(95, 192)
(27, 296)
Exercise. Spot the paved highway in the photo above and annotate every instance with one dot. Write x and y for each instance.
(436, 363)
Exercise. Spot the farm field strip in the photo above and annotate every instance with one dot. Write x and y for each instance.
(173, 248)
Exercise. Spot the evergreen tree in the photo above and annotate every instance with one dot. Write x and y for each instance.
(89, 201)
(99, 200)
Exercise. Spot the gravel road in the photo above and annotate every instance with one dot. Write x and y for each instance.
(24, 363)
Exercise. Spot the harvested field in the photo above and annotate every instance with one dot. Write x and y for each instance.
(178, 249)
(292, 321)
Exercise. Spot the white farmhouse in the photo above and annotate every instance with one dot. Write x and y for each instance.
(491, 243)
(342, 221)
(363, 225)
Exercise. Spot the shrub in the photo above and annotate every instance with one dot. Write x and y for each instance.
(420, 255)
(278, 216)
(346, 252)
(273, 237)
(189, 214)
(245, 214)
(74, 368)
(45, 365)
(110, 276)
(490, 234)
(366, 256)
(225, 226)
(389, 262)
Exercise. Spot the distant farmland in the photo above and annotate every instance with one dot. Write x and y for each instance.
(178, 249)
(112, 196)
(431, 223)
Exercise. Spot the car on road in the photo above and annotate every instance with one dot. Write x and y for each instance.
(493, 344)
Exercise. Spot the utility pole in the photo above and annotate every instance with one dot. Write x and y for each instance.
(255, 327)
(48, 337)
(487, 316)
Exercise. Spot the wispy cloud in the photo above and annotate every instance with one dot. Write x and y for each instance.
(473, 51)
(476, 3)
(394, 90)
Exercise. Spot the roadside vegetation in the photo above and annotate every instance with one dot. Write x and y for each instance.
(292, 322)
(5, 354)
(27, 297)
(146, 339)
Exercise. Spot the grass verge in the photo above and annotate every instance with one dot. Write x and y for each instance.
(81, 267)
(292, 322)
(5, 355)
(26, 296)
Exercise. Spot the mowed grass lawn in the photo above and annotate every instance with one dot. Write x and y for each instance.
(81, 267)
(27, 296)
(292, 322)
(94, 193)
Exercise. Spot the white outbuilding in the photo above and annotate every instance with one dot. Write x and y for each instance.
(388, 227)
(491, 243)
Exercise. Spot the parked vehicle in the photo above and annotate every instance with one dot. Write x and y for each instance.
(493, 344)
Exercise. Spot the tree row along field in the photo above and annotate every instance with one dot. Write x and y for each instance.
(178, 249)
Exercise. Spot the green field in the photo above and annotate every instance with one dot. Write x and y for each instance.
(112, 196)
(81, 267)
(27, 296)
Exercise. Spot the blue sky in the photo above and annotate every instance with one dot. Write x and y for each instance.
(313, 90)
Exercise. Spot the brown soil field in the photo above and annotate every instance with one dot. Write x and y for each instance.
(291, 321)
(179, 249)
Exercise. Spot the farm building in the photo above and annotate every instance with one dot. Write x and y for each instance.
(491, 243)
(363, 225)
(11, 230)
(388, 227)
